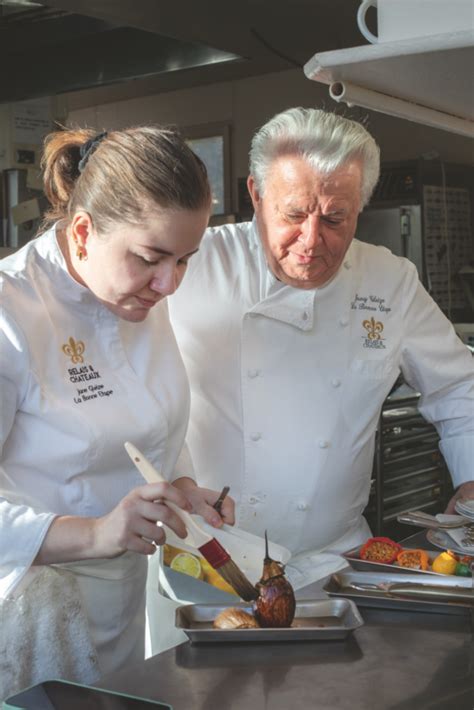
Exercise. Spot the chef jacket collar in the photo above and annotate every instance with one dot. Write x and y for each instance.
(278, 300)
(71, 290)
(285, 303)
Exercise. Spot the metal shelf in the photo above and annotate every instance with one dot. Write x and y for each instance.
(430, 71)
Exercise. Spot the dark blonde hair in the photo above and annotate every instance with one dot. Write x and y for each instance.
(123, 173)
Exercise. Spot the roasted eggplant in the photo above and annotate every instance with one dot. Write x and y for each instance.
(275, 606)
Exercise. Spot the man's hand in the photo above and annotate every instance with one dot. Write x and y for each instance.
(202, 500)
(466, 490)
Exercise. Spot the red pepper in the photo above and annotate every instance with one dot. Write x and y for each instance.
(380, 549)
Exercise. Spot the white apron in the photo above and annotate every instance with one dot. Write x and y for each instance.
(113, 596)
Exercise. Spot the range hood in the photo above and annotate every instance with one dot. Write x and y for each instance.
(46, 51)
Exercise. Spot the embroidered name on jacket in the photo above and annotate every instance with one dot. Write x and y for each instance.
(75, 349)
(369, 303)
(374, 329)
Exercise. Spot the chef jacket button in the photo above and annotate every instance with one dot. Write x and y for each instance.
(347, 265)
(302, 506)
(255, 436)
(253, 373)
(336, 382)
(305, 315)
(344, 321)
(323, 444)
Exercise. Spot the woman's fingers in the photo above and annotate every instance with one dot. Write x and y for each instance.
(228, 511)
(150, 531)
(141, 546)
(203, 502)
(164, 492)
(155, 511)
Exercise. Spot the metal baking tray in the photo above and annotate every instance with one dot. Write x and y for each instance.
(339, 585)
(315, 620)
(352, 556)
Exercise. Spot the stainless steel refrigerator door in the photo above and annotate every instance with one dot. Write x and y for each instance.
(15, 191)
(397, 228)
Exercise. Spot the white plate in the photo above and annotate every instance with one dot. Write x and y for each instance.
(465, 507)
(440, 539)
(245, 549)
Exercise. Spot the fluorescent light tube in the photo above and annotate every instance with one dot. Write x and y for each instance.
(354, 95)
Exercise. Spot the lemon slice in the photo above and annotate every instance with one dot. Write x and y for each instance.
(186, 563)
(169, 552)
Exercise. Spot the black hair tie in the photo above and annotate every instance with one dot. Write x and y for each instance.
(87, 148)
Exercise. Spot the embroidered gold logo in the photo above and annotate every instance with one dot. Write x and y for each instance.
(373, 328)
(74, 349)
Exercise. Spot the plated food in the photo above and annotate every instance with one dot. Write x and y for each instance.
(274, 607)
(382, 553)
(194, 565)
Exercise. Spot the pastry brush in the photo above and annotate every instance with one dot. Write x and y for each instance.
(208, 546)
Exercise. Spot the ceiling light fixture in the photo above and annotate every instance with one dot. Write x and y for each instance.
(354, 95)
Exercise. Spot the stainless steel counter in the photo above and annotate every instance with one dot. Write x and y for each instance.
(396, 661)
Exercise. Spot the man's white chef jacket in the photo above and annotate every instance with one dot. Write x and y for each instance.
(76, 382)
(287, 384)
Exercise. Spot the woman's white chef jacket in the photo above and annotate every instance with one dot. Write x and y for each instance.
(76, 382)
(287, 384)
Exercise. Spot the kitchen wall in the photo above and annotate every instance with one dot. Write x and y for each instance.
(248, 103)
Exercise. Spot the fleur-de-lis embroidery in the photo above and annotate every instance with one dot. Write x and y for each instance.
(74, 349)
(373, 327)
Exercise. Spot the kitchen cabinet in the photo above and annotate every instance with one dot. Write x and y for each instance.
(432, 74)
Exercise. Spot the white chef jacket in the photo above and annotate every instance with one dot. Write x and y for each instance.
(76, 382)
(287, 384)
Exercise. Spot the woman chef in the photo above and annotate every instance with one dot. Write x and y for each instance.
(89, 360)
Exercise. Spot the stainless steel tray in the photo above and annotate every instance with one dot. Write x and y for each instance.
(352, 556)
(339, 585)
(314, 621)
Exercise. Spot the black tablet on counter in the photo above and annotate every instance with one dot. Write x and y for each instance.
(63, 695)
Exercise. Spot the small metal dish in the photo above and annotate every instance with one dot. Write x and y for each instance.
(315, 620)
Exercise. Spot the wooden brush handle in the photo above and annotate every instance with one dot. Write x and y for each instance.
(196, 536)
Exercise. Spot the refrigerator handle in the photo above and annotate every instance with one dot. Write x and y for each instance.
(405, 229)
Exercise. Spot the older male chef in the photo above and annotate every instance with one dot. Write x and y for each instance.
(293, 334)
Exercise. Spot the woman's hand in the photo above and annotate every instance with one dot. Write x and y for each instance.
(132, 524)
(71, 538)
(202, 500)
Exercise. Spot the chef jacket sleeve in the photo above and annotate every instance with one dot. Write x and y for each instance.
(22, 527)
(437, 364)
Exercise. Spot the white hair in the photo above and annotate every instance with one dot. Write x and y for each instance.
(325, 140)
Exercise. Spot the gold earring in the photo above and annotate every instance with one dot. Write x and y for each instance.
(81, 253)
